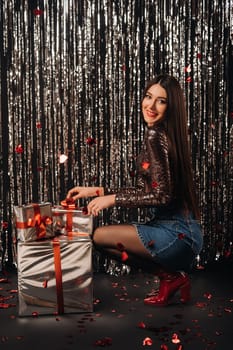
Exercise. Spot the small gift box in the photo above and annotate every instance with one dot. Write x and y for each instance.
(33, 221)
(55, 275)
(68, 218)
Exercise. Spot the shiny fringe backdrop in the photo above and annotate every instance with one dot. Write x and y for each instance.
(72, 74)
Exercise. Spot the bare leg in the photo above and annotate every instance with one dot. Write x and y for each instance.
(110, 238)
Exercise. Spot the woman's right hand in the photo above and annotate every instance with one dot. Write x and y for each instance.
(84, 192)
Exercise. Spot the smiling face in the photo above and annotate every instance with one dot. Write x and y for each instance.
(154, 104)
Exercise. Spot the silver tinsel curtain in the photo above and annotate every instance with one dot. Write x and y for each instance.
(72, 74)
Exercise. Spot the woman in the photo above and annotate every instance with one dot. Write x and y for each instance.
(168, 243)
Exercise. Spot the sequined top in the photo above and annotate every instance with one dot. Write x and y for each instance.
(154, 185)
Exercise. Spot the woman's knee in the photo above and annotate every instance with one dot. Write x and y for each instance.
(98, 236)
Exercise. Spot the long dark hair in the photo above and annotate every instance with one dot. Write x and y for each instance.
(175, 124)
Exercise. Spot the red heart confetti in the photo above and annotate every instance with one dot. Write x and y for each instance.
(145, 165)
(141, 325)
(175, 338)
(90, 141)
(147, 341)
(37, 12)
(124, 256)
(19, 149)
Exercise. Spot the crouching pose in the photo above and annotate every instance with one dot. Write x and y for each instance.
(169, 241)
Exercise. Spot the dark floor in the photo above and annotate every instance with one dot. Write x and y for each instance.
(121, 321)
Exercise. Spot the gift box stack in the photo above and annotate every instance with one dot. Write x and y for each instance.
(54, 259)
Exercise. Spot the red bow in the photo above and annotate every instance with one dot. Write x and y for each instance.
(68, 203)
(39, 222)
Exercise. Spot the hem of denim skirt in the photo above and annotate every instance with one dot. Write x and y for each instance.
(143, 241)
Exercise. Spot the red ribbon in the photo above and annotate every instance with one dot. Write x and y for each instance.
(58, 275)
(38, 221)
(71, 234)
(69, 205)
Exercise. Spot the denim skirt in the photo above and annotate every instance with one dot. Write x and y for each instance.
(173, 239)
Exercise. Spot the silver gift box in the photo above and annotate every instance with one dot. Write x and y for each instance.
(71, 220)
(33, 221)
(38, 288)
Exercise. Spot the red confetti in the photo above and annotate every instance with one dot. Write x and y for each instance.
(227, 254)
(115, 285)
(35, 314)
(147, 341)
(37, 12)
(141, 325)
(45, 284)
(13, 291)
(123, 67)
(181, 235)
(6, 306)
(145, 165)
(38, 125)
(90, 141)
(124, 256)
(201, 305)
(19, 337)
(151, 243)
(208, 295)
(175, 338)
(6, 297)
(154, 184)
(227, 310)
(4, 280)
(199, 55)
(188, 69)
(104, 342)
(189, 79)
(19, 149)
(164, 347)
(97, 192)
(179, 347)
(4, 225)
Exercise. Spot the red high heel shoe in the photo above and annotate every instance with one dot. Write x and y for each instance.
(170, 283)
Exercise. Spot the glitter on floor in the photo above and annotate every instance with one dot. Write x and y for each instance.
(121, 321)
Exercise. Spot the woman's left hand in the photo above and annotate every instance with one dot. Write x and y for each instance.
(100, 203)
